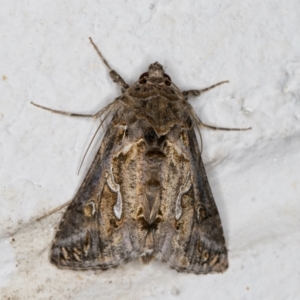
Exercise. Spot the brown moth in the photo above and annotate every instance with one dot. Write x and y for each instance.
(146, 193)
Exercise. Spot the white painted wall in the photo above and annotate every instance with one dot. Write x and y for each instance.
(46, 57)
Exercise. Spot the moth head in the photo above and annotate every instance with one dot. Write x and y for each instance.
(155, 75)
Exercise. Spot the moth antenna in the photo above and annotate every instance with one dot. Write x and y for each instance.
(51, 212)
(86, 151)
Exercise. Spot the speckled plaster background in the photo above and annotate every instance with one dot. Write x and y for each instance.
(46, 57)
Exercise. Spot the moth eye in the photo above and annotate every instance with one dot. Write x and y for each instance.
(143, 78)
(168, 77)
(168, 80)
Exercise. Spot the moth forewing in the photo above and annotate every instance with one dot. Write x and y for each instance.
(146, 193)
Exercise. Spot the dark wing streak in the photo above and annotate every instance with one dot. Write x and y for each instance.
(198, 245)
(78, 244)
(74, 224)
(209, 229)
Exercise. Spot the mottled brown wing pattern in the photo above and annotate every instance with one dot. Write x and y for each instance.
(195, 243)
(146, 193)
(89, 235)
(144, 196)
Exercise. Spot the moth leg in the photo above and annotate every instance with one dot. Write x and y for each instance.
(113, 74)
(94, 116)
(223, 128)
(64, 112)
(196, 93)
(51, 212)
(198, 122)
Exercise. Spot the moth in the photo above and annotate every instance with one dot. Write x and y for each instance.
(146, 193)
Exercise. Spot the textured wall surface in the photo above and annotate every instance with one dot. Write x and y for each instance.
(46, 57)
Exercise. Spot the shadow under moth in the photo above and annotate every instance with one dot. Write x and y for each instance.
(146, 193)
